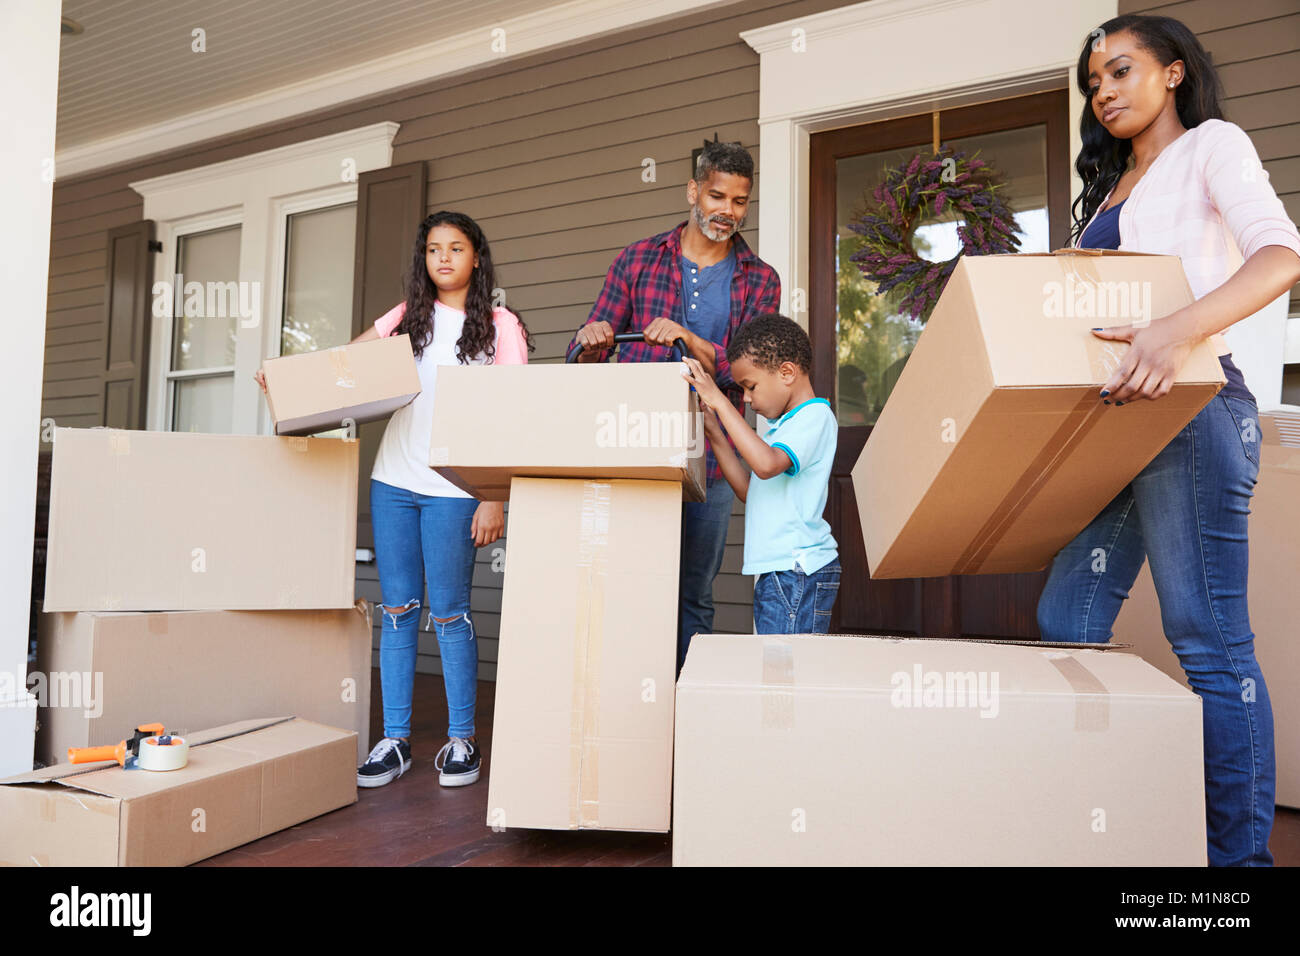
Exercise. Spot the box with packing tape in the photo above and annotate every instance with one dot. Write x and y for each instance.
(168, 521)
(96, 671)
(583, 731)
(621, 420)
(1274, 536)
(359, 382)
(847, 750)
(994, 448)
(242, 781)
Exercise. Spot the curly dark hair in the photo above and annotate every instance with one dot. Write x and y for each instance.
(1102, 158)
(769, 340)
(479, 334)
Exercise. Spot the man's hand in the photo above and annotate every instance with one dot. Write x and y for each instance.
(711, 396)
(1155, 355)
(594, 337)
(664, 331)
(489, 522)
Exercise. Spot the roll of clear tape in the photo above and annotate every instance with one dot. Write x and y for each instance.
(164, 753)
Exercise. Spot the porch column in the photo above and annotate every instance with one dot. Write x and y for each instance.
(29, 76)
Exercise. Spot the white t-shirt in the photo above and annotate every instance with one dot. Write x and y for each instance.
(403, 458)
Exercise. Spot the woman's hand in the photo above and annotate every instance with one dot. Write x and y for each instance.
(710, 395)
(489, 523)
(261, 380)
(1155, 356)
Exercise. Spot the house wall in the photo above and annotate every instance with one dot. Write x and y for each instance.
(545, 152)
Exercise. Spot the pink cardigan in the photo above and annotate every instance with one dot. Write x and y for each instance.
(1207, 200)
(511, 347)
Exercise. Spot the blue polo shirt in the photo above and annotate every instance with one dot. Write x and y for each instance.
(706, 297)
(783, 514)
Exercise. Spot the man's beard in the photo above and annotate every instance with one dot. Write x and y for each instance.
(712, 231)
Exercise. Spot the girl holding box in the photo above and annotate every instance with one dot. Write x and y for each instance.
(426, 529)
(1164, 173)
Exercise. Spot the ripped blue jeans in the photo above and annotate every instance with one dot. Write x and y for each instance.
(419, 540)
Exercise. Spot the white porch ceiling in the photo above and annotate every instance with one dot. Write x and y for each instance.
(131, 84)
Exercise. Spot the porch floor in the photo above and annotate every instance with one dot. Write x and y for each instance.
(415, 822)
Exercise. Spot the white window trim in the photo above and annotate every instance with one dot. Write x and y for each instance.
(254, 191)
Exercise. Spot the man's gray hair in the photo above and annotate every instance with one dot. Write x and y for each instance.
(724, 158)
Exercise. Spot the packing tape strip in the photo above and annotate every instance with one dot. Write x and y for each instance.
(342, 367)
(588, 637)
(119, 443)
(296, 442)
(1091, 698)
(158, 756)
(778, 684)
(1055, 452)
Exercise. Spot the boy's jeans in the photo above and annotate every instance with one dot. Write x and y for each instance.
(791, 602)
(1186, 513)
(419, 539)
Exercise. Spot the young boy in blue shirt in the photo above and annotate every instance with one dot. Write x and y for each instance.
(788, 543)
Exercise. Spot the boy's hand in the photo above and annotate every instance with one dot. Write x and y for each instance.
(713, 429)
(710, 394)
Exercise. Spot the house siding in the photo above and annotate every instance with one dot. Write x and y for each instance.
(545, 153)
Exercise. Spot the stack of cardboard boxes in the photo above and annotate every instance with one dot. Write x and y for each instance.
(205, 582)
(596, 460)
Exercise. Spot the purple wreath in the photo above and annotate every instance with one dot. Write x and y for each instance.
(905, 198)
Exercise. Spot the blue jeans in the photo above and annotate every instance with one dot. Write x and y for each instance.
(1186, 513)
(791, 602)
(704, 540)
(419, 539)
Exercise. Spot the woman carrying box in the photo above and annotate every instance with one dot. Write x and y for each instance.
(426, 529)
(1164, 173)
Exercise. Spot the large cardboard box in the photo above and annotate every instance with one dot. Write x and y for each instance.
(583, 732)
(994, 448)
(1274, 562)
(621, 420)
(101, 673)
(845, 750)
(167, 521)
(360, 382)
(243, 781)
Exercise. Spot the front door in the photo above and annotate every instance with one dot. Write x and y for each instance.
(860, 342)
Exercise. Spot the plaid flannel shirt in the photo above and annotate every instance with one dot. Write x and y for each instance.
(645, 282)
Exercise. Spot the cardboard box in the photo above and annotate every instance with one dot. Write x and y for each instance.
(243, 781)
(850, 751)
(363, 382)
(583, 732)
(994, 448)
(621, 420)
(168, 521)
(1274, 559)
(104, 672)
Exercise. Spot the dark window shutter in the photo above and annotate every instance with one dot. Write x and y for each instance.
(127, 288)
(390, 206)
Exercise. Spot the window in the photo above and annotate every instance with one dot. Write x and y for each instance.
(269, 240)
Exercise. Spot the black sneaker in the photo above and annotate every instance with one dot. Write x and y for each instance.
(389, 759)
(457, 762)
